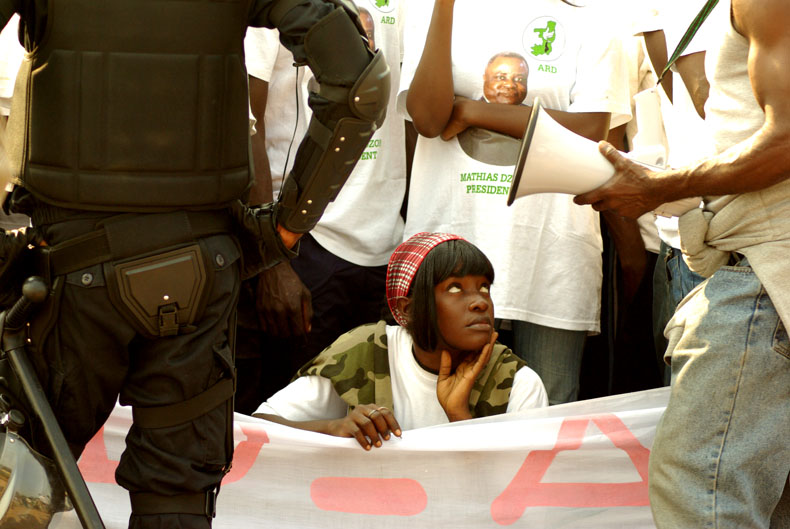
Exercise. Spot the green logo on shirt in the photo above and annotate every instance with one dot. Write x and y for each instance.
(385, 6)
(545, 39)
(546, 35)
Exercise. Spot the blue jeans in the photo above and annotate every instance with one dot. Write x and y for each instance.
(672, 281)
(554, 354)
(721, 456)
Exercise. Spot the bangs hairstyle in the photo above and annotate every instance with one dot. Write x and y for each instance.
(456, 258)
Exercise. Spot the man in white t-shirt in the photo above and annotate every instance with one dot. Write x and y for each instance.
(683, 93)
(339, 274)
(11, 53)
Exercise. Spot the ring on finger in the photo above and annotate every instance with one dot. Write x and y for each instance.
(371, 412)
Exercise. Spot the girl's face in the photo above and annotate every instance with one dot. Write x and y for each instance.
(464, 313)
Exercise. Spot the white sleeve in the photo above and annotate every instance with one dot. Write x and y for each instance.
(308, 398)
(647, 17)
(11, 56)
(261, 46)
(677, 25)
(528, 391)
(602, 79)
(417, 18)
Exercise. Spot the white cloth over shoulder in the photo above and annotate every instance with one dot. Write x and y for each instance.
(755, 224)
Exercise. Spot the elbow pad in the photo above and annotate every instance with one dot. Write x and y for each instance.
(350, 104)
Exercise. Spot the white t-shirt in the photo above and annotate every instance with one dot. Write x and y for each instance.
(11, 55)
(688, 136)
(413, 391)
(545, 249)
(363, 225)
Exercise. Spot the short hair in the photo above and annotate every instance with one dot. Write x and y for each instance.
(455, 258)
(507, 55)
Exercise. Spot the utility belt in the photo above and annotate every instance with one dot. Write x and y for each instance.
(158, 270)
(154, 265)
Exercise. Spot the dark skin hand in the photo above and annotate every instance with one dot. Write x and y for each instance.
(454, 386)
(627, 238)
(436, 110)
(283, 303)
(628, 192)
(756, 163)
(280, 313)
(369, 424)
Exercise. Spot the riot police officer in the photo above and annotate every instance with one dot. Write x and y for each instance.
(129, 139)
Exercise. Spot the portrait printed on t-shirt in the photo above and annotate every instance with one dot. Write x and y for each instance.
(505, 79)
(367, 23)
(504, 82)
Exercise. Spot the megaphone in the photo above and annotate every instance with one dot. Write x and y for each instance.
(553, 159)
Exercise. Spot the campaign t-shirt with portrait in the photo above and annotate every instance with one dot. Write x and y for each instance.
(363, 225)
(545, 249)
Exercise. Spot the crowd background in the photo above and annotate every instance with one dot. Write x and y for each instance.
(586, 304)
(581, 298)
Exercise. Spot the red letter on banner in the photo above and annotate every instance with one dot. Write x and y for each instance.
(96, 467)
(94, 464)
(378, 496)
(526, 490)
(246, 452)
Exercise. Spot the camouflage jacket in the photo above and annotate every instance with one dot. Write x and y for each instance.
(359, 369)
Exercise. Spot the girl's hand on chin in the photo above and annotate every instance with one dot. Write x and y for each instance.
(453, 389)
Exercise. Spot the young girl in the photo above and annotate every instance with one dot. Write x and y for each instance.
(440, 364)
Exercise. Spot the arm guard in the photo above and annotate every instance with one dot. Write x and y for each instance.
(347, 109)
(260, 243)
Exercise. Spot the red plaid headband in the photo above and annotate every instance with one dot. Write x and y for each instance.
(404, 263)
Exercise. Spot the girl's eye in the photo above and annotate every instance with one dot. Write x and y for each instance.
(484, 288)
(454, 289)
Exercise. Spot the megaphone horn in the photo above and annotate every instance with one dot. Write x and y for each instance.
(553, 159)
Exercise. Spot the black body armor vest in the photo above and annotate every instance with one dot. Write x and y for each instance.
(130, 105)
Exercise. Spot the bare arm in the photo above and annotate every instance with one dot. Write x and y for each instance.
(758, 162)
(512, 119)
(656, 45)
(283, 303)
(261, 192)
(626, 235)
(692, 71)
(435, 109)
(369, 424)
(430, 97)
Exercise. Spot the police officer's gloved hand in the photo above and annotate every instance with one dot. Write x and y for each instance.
(263, 246)
(14, 248)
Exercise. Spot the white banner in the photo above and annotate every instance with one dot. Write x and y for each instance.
(576, 466)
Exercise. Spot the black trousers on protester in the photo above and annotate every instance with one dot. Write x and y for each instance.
(87, 353)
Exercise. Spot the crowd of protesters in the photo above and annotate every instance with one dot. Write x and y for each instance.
(562, 303)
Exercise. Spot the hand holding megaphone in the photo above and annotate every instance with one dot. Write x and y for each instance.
(634, 189)
(554, 159)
